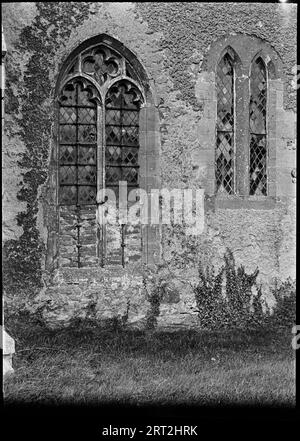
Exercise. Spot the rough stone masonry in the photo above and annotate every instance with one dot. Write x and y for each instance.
(66, 66)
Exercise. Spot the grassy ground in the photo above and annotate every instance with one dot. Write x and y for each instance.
(89, 365)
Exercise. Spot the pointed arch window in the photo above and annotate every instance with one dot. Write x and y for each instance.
(258, 129)
(98, 145)
(225, 144)
(246, 102)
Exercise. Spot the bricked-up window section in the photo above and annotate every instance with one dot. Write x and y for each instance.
(258, 133)
(224, 166)
(77, 146)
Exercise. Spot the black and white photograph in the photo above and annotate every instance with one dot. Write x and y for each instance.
(149, 211)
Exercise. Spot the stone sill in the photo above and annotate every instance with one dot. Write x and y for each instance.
(96, 274)
(245, 202)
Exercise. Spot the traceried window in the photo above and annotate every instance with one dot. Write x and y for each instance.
(258, 132)
(224, 158)
(99, 103)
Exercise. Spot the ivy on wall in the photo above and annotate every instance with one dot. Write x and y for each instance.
(29, 101)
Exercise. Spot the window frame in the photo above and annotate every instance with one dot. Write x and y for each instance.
(101, 120)
(234, 167)
(102, 91)
(266, 125)
(149, 147)
(255, 48)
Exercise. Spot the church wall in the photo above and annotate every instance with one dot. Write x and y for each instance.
(173, 43)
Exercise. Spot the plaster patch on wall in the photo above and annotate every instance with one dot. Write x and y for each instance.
(16, 15)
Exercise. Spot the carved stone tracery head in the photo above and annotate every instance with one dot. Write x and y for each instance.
(78, 91)
(124, 94)
(102, 63)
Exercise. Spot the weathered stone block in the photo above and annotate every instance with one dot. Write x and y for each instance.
(8, 348)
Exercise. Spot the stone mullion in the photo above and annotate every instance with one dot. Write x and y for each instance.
(122, 232)
(242, 137)
(100, 178)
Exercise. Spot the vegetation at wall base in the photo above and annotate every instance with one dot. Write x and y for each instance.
(86, 365)
(225, 299)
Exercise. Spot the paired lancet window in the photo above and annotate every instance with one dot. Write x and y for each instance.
(228, 164)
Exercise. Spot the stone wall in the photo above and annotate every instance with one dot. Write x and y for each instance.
(173, 42)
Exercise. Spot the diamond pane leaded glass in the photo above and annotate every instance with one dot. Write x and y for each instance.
(87, 195)
(257, 121)
(122, 135)
(67, 154)
(258, 171)
(224, 159)
(87, 155)
(78, 146)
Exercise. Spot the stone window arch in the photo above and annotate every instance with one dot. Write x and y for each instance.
(252, 163)
(102, 135)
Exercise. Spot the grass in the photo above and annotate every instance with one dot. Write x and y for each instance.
(88, 365)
